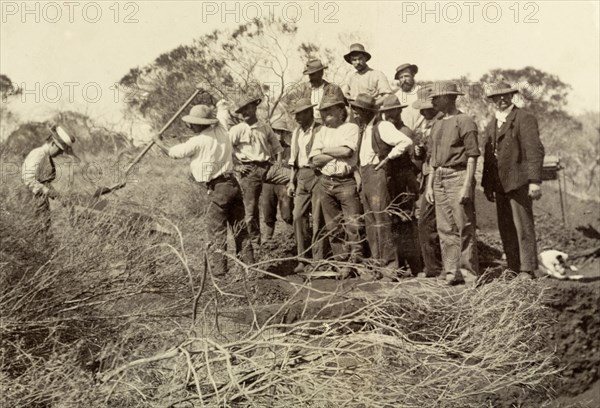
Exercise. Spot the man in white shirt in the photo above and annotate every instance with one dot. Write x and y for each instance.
(37, 172)
(365, 79)
(255, 145)
(408, 93)
(335, 154)
(211, 165)
(303, 187)
(381, 143)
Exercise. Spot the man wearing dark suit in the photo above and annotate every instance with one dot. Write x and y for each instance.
(512, 173)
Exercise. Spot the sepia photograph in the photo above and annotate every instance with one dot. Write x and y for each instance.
(312, 204)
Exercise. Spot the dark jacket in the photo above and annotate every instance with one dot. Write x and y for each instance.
(514, 153)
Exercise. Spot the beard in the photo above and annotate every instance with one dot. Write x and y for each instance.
(407, 86)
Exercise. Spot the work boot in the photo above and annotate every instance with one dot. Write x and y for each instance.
(525, 275)
(454, 279)
(299, 268)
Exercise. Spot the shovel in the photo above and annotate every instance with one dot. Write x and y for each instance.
(105, 190)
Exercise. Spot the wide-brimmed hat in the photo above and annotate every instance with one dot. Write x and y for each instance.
(364, 101)
(356, 48)
(313, 66)
(247, 101)
(500, 89)
(201, 115)
(62, 139)
(424, 98)
(444, 88)
(331, 100)
(280, 124)
(302, 105)
(413, 68)
(391, 102)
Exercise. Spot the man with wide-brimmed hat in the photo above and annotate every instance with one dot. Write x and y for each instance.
(303, 187)
(255, 146)
(404, 188)
(408, 93)
(512, 174)
(364, 80)
(316, 87)
(381, 145)
(335, 154)
(454, 156)
(38, 172)
(211, 166)
(428, 236)
(274, 192)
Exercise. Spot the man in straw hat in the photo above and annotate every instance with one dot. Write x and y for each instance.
(38, 172)
(428, 236)
(408, 93)
(316, 87)
(274, 192)
(335, 153)
(364, 80)
(512, 174)
(211, 165)
(404, 188)
(452, 187)
(381, 145)
(255, 145)
(303, 187)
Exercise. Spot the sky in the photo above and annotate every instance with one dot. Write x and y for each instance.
(69, 55)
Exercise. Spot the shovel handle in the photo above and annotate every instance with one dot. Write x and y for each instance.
(164, 128)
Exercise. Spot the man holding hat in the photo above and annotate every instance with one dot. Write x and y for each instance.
(453, 158)
(316, 87)
(274, 192)
(427, 227)
(408, 93)
(254, 147)
(37, 172)
(381, 146)
(512, 174)
(404, 188)
(364, 80)
(303, 187)
(211, 165)
(335, 153)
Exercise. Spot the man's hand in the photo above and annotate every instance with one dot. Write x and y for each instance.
(358, 180)
(382, 163)
(429, 195)
(290, 189)
(489, 194)
(465, 194)
(535, 191)
(243, 169)
(419, 150)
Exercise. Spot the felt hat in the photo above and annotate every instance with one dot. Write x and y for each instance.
(364, 101)
(247, 101)
(391, 102)
(313, 66)
(356, 49)
(331, 100)
(424, 98)
(444, 88)
(279, 124)
(500, 89)
(201, 115)
(413, 68)
(302, 105)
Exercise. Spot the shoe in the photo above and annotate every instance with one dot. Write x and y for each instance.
(299, 268)
(344, 273)
(523, 276)
(454, 280)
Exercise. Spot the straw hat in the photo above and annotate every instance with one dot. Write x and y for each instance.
(356, 49)
(302, 105)
(445, 88)
(413, 68)
(201, 115)
(62, 139)
(364, 101)
(391, 102)
(313, 66)
(501, 89)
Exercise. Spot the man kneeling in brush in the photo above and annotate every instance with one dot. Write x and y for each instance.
(212, 166)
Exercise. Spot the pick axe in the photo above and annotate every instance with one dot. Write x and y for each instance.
(105, 190)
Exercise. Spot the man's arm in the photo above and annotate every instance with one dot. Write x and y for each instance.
(29, 173)
(532, 147)
(383, 88)
(276, 148)
(338, 152)
(472, 152)
(393, 137)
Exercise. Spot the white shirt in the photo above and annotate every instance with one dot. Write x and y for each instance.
(300, 140)
(316, 94)
(211, 153)
(411, 117)
(390, 135)
(344, 135)
(501, 115)
(37, 169)
(255, 142)
(373, 83)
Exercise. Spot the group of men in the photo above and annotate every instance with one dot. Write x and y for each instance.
(400, 167)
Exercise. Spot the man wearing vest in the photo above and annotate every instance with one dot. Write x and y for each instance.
(381, 145)
(254, 147)
(335, 154)
(428, 235)
(405, 189)
(211, 165)
(274, 194)
(364, 80)
(303, 187)
(512, 174)
(452, 185)
(408, 93)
